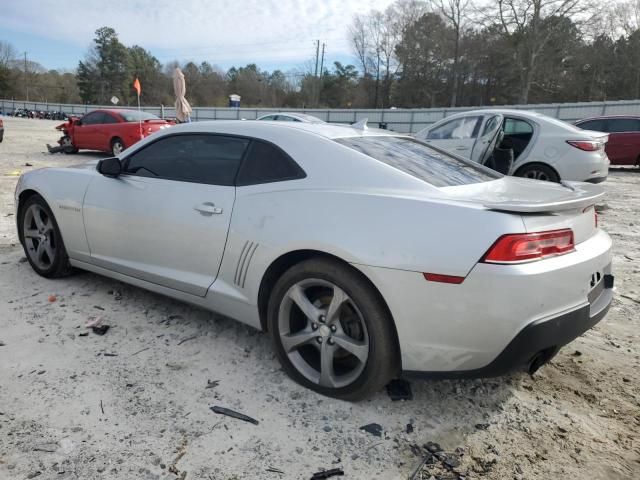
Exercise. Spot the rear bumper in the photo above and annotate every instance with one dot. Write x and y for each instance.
(538, 341)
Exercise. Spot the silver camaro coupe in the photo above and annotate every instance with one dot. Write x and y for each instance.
(363, 253)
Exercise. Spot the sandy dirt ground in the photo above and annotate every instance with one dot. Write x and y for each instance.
(135, 403)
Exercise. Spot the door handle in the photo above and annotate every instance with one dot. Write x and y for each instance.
(208, 208)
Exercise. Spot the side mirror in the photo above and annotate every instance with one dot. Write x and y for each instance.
(110, 167)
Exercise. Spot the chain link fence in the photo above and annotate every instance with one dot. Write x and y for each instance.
(400, 120)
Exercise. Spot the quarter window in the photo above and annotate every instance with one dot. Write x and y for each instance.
(265, 163)
(108, 118)
(514, 126)
(466, 127)
(198, 158)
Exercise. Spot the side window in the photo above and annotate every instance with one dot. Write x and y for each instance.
(197, 158)
(596, 125)
(108, 118)
(285, 118)
(92, 118)
(459, 128)
(491, 125)
(265, 163)
(621, 125)
(514, 126)
(269, 117)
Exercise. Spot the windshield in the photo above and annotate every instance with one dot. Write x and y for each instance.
(135, 116)
(420, 160)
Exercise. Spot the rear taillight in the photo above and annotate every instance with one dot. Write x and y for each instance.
(586, 145)
(528, 247)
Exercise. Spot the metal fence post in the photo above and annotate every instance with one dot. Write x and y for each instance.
(413, 115)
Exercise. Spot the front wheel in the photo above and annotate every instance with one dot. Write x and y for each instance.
(538, 171)
(42, 240)
(331, 331)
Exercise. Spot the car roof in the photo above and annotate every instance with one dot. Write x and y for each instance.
(609, 117)
(255, 127)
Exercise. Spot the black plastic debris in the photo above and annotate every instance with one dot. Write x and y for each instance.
(101, 329)
(482, 426)
(334, 472)
(212, 383)
(432, 447)
(399, 390)
(409, 428)
(275, 470)
(233, 414)
(83, 334)
(373, 429)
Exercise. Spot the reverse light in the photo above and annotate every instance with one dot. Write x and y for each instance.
(528, 247)
(586, 145)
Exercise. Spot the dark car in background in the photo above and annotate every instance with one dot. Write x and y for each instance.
(623, 147)
(1, 130)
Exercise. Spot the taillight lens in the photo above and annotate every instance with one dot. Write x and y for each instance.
(528, 247)
(586, 145)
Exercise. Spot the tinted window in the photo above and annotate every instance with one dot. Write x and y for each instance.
(619, 125)
(92, 118)
(514, 126)
(268, 117)
(421, 161)
(456, 129)
(136, 116)
(109, 119)
(266, 163)
(596, 125)
(199, 158)
(286, 118)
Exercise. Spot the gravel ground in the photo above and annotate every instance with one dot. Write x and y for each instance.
(135, 403)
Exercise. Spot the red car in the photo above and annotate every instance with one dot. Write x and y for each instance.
(623, 147)
(109, 130)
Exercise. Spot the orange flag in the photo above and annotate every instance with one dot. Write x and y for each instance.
(136, 86)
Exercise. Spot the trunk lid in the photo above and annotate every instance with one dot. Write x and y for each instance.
(543, 206)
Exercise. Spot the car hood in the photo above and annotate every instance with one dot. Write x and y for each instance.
(513, 194)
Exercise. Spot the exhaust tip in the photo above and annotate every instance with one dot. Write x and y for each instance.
(540, 358)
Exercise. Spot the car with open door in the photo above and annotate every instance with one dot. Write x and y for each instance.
(363, 253)
(109, 130)
(290, 117)
(623, 147)
(542, 147)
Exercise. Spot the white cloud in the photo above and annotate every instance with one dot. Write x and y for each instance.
(217, 30)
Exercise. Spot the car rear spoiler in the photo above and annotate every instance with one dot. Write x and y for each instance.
(582, 197)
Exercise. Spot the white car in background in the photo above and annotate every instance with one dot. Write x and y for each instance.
(544, 148)
(362, 252)
(291, 117)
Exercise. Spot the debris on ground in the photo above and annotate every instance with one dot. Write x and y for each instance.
(436, 463)
(373, 429)
(52, 298)
(100, 330)
(274, 470)
(334, 472)
(212, 383)
(93, 322)
(234, 414)
(399, 389)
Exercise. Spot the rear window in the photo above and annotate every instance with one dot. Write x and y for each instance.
(419, 160)
(135, 116)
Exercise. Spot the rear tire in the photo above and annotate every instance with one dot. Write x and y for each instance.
(41, 239)
(117, 146)
(341, 342)
(538, 171)
(68, 144)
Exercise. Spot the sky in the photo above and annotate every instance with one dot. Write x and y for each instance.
(274, 34)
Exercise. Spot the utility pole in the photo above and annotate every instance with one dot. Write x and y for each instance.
(322, 60)
(26, 84)
(317, 53)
